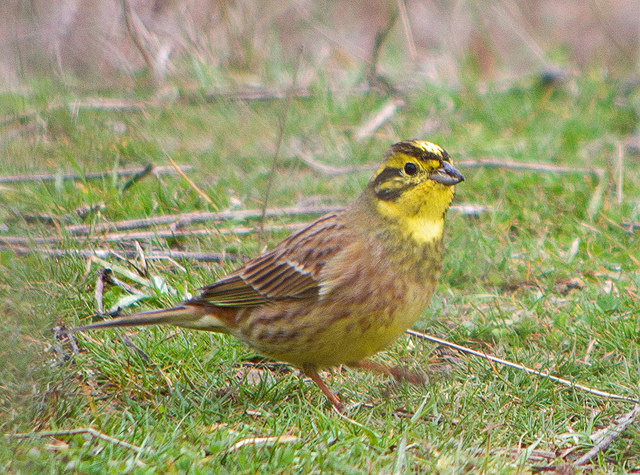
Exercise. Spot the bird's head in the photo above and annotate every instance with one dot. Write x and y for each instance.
(414, 186)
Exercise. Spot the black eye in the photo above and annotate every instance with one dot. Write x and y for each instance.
(410, 168)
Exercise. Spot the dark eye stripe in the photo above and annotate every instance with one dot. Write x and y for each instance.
(386, 175)
(387, 185)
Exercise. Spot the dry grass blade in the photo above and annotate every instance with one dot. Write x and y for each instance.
(614, 431)
(264, 441)
(89, 430)
(188, 180)
(596, 200)
(103, 278)
(536, 372)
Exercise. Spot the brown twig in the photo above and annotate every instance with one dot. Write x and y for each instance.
(197, 217)
(375, 79)
(536, 372)
(104, 103)
(477, 163)
(614, 430)
(128, 254)
(331, 170)
(406, 27)
(137, 177)
(378, 119)
(88, 430)
(156, 234)
(281, 128)
(529, 166)
(256, 95)
(82, 212)
(631, 225)
(88, 176)
(134, 24)
(467, 209)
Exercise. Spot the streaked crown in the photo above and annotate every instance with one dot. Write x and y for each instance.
(411, 163)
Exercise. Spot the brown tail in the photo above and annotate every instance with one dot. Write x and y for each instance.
(189, 316)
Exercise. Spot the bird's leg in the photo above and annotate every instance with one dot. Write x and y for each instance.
(398, 373)
(313, 374)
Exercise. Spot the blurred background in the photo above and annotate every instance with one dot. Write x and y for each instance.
(98, 41)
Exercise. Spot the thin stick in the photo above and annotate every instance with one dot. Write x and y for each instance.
(105, 103)
(188, 180)
(157, 234)
(467, 209)
(408, 33)
(281, 129)
(614, 431)
(188, 218)
(128, 254)
(88, 430)
(378, 119)
(631, 225)
(536, 372)
(531, 166)
(82, 212)
(477, 163)
(331, 170)
(87, 176)
(259, 95)
(133, 24)
(137, 177)
(375, 79)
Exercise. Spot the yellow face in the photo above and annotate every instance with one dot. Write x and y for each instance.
(414, 186)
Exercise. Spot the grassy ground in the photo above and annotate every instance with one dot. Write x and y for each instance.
(547, 277)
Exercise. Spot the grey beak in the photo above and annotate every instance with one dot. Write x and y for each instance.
(447, 174)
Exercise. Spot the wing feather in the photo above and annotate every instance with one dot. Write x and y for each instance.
(289, 271)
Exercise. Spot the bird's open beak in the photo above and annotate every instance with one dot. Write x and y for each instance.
(447, 175)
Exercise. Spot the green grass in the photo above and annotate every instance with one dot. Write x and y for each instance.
(503, 289)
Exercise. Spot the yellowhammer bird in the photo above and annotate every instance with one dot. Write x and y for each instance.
(344, 287)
